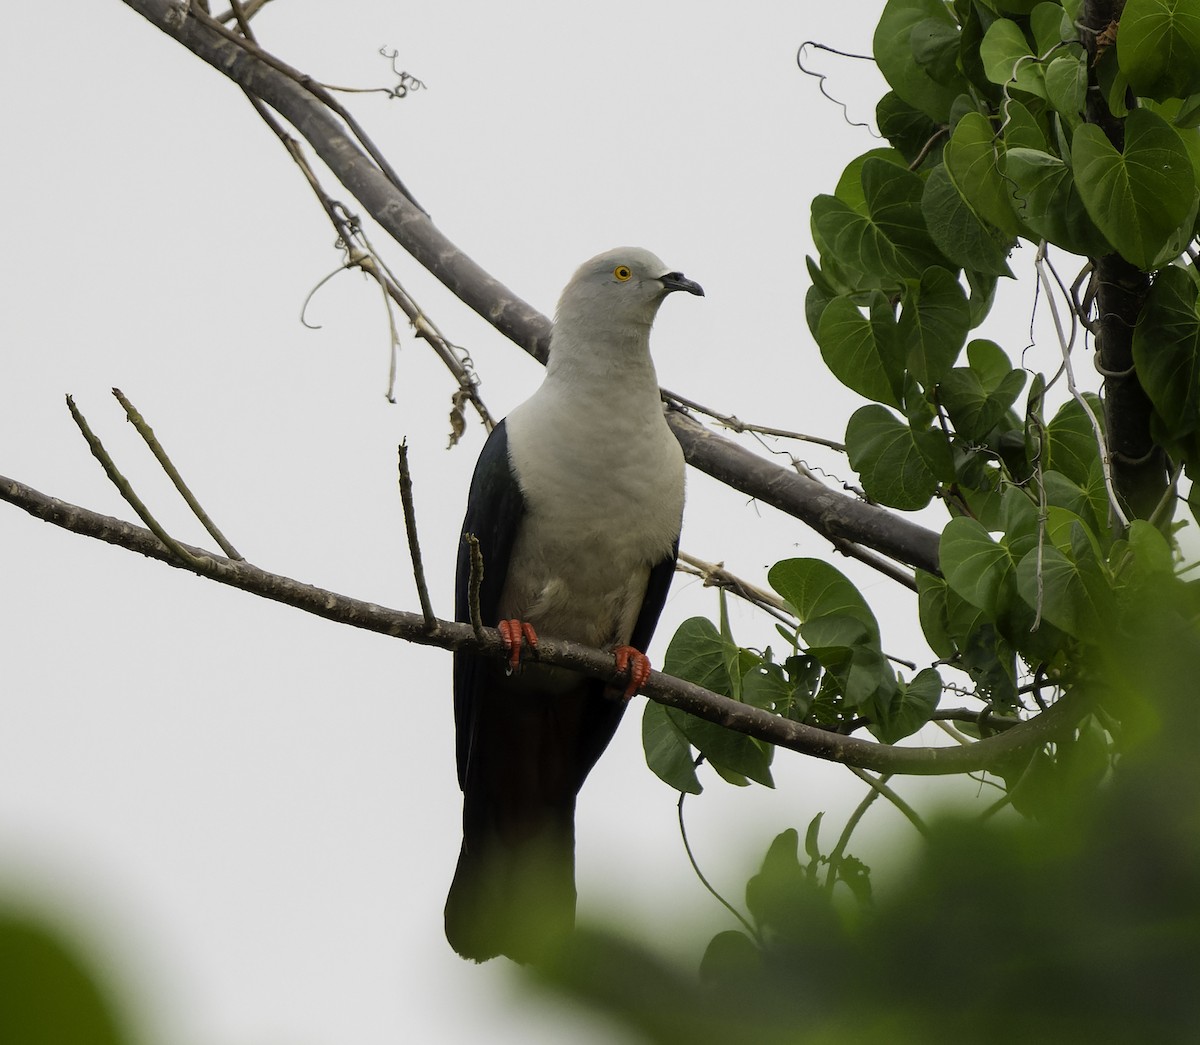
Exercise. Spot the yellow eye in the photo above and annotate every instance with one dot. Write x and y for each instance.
(623, 273)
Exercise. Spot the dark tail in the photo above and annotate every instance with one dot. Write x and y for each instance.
(514, 890)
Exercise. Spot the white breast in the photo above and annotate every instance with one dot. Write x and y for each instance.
(603, 487)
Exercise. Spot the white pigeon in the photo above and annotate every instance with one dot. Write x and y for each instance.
(576, 501)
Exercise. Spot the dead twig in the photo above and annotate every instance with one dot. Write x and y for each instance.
(127, 492)
(156, 448)
(414, 545)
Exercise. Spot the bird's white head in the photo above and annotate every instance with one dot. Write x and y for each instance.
(619, 291)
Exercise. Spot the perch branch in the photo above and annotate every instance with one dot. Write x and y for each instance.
(452, 635)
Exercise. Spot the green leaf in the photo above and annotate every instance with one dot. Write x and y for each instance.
(1007, 58)
(856, 876)
(1021, 129)
(815, 589)
(699, 653)
(1087, 499)
(991, 663)
(972, 159)
(1019, 517)
(1051, 27)
(734, 756)
(1076, 600)
(958, 231)
(668, 753)
(932, 611)
(884, 452)
(910, 707)
(54, 988)
(834, 630)
(934, 43)
(862, 674)
(812, 839)
(861, 352)
(1071, 441)
(1152, 560)
(934, 320)
(909, 130)
(849, 188)
(978, 396)
(890, 240)
(1138, 197)
(767, 686)
(1159, 47)
(730, 956)
(893, 50)
(1066, 87)
(983, 295)
(1166, 351)
(1046, 199)
(776, 895)
(976, 568)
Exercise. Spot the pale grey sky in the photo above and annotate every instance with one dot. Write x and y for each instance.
(254, 810)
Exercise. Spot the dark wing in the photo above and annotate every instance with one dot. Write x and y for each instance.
(495, 508)
(656, 597)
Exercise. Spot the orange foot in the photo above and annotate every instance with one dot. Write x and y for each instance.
(636, 663)
(512, 632)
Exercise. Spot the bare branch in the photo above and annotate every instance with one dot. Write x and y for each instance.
(361, 254)
(736, 424)
(830, 513)
(879, 784)
(156, 448)
(452, 635)
(474, 582)
(414, 545)
(125, 488)
(715, 575)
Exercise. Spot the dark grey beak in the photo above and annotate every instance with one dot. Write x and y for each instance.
(678, 281)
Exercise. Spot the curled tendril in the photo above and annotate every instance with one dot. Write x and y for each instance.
(407, 83)
(822, 77)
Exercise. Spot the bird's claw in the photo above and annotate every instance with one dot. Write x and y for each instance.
(636, 663)
(512, 634)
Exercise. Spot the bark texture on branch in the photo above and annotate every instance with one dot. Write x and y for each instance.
(834, 515)
(1013, 743)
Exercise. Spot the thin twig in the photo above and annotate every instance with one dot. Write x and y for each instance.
(318, 91)
(735, 424)
(414, 545)
(985, 718)
(687, 848)
(243, 20)
(715, 575)
(947, 728)
(880, 784)
(156, 448)
(127, 492)
(853, 550)
(835, 857)
(249, 9)
(474, 582)
(349, 230)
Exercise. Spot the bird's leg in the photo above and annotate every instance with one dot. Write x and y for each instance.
(512, 633)
(636, 663)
